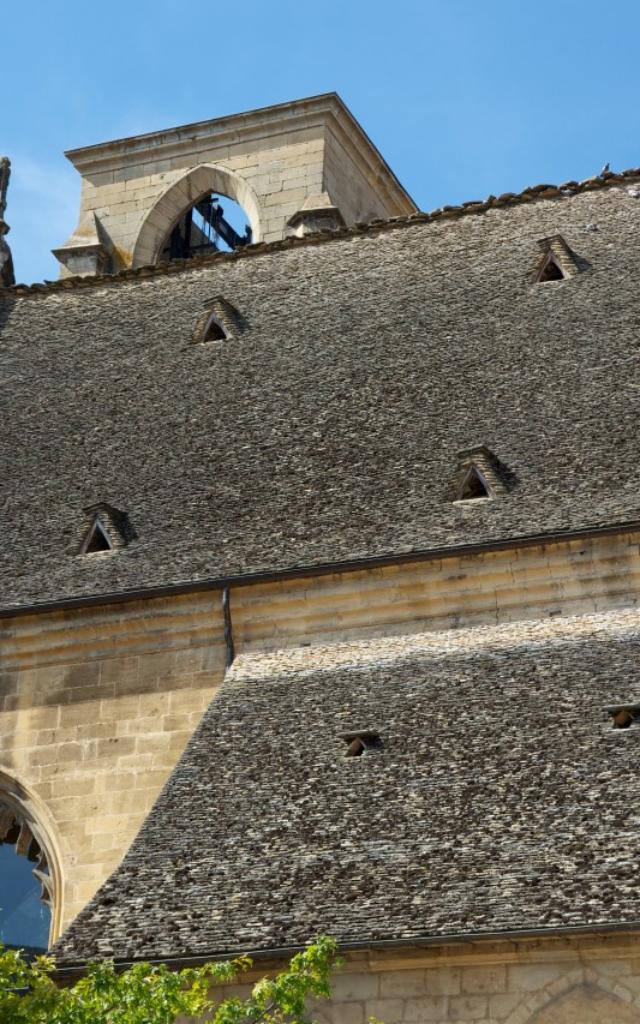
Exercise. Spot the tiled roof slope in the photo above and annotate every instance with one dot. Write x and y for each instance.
(501, 799)
(328, 428)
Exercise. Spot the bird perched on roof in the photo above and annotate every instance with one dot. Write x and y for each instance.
(605, 170)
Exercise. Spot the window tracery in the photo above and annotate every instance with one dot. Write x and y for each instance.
(27, 884)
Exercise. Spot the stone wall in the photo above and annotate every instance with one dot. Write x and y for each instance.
(572, 981)
(540, 581)
(96, 706)
(365, 198)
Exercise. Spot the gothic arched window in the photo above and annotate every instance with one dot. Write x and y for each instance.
(26, 881)
(207, 227)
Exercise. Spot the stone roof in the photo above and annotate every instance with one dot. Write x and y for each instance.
(327, 427)
(499, 798)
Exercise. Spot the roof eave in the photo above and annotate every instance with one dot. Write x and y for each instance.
(68, 970)
(320, 569)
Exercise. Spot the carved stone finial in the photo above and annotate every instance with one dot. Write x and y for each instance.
(84, 253)
(6, 263)
(317, 213)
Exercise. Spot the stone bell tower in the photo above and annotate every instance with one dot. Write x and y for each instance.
(294, 168)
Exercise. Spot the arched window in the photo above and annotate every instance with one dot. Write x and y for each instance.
(207, 226)
(201, 189)
(27, 879)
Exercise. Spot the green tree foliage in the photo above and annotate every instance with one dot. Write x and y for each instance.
(153, 994)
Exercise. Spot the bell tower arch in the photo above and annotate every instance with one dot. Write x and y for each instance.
(178, 198)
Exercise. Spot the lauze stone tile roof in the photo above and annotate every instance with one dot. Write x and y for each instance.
(332, 425)
(328, 427)
(500, 798)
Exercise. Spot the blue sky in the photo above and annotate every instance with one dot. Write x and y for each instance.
(463, 97)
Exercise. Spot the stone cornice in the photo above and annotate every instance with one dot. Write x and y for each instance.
(312, 113)
(233, 128)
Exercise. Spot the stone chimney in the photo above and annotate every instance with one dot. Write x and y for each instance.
(293, 168)
(7, 277)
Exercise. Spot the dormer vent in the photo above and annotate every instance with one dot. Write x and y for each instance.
(105, 528)
(557, 261)
(479, 475)
(624, 715)
(96, 539)
(473, 486)
(220, 322)
(551, 271)
(214, 330)
(359, 743)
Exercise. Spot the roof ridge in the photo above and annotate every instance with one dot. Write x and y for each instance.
(529, 194)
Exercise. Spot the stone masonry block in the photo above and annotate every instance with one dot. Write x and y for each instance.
(468, 1008)
(480, 980)
(388, 1010)
(155, 743)
(401, 983)
(445, 981)
(532, 977)
(426, 1008)
(349, 987)
(116, 746)
(185, 701)
(120, 708)
(55, 754)
(290, 195)
(346, 1013)
(503, 1004)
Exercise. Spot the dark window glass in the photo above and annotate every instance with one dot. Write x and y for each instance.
(24, 918)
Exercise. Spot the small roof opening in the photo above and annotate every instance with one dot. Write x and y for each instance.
(96, 540)
(214, 331)
(551, 270)
(473, 486)
(359, 743)
(624, 715)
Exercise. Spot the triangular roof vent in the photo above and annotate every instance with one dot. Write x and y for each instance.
(105, 529)
(550, 270)
(96, 539)
(220, 322)
(479, 475)
(557, 262)
(473, 486)
(359, 743)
